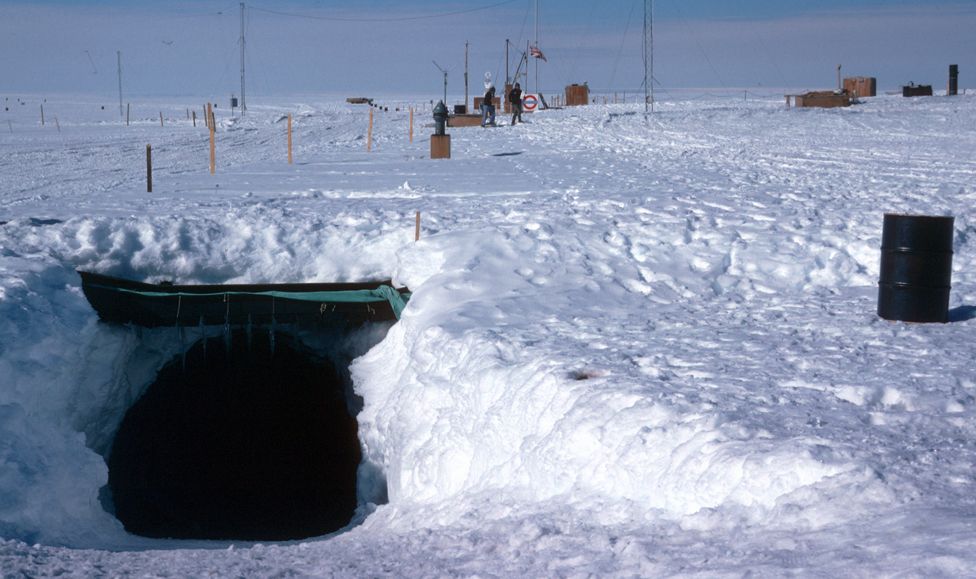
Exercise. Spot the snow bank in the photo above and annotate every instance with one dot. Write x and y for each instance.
(459, 401)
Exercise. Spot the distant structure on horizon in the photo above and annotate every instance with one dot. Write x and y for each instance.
(914, 90)
(861, 86)
(953, 87)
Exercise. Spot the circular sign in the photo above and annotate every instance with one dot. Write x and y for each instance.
(530, 102)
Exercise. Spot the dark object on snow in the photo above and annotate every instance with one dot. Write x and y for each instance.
(913, 90)
(440, 141)
(440, 118)
(916, 268)
(124, 301)
(953, 88)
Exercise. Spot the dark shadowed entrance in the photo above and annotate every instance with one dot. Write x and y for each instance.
(250, 439)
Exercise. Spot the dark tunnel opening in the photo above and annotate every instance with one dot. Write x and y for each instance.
(242, 439)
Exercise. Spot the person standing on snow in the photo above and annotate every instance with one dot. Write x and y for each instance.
(488, 106)
(515, 97)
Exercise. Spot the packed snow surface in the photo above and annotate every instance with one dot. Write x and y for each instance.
(636, 346)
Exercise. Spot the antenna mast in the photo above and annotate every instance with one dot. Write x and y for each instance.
(243, 102)
(121, 110)
(648, 56)
(445, 80)
(536, 45)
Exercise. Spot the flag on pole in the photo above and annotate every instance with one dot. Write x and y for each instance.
(534, 51)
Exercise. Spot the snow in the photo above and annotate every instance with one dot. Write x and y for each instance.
(634, 347)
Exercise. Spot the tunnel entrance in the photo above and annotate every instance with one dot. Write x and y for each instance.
(246, 438)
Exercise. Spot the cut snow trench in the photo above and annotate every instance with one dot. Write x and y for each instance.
(247, 435)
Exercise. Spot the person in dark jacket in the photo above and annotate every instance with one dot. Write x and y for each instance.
(488, 107)
(515, 98)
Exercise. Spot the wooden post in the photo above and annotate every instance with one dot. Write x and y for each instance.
(42, 115)
(194, 119)
(206, 117)
(369, 132)
(127, 107)
(411, 124)
(213, 153)
(148, 168)
(289, 139)
(160, 118)
(416, 228)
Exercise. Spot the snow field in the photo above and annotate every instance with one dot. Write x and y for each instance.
(632, 348)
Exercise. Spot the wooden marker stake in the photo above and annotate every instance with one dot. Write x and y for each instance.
(42, 115)
(127, 107)
(148, 168)
(416, 229)
(289, 140)
(194, 119)
(160, 118)
(213, 153)
(369, 133)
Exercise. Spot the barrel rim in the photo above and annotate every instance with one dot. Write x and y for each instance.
(913, 251)
(914, 216)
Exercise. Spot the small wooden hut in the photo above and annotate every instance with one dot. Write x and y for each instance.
(577, 95)
(822, 99)
(861, 86)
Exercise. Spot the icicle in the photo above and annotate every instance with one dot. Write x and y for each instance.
(179, 331)
(272, 335)
(227, 332)
(203, 338)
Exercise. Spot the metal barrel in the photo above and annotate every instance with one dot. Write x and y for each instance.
(916, 268)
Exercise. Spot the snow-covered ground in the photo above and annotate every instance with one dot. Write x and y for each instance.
(634, 348)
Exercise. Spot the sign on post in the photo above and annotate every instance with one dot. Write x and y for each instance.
(530, 102)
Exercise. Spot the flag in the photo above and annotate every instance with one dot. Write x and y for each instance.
(534, 51)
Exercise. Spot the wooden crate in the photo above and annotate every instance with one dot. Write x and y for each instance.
(464, 120)
(479, 100)
(822, 99)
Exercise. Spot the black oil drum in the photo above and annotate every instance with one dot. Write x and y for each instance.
(916, 268)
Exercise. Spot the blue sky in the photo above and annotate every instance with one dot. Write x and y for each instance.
(387, 47)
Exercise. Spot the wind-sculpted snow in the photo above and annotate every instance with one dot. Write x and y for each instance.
(634, 347)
